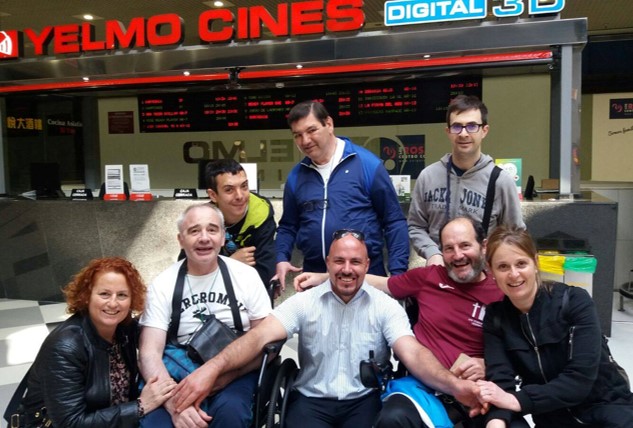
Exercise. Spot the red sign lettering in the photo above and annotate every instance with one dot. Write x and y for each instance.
(214, 26)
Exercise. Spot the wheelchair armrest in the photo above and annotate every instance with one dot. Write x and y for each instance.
(373, 374)
(274, 347)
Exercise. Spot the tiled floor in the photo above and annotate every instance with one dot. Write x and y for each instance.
(24, 324)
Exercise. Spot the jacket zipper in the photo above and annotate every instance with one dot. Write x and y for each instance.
(535, 347)
(540, 364)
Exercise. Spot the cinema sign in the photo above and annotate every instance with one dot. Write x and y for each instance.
(406, 12)
(214, 26)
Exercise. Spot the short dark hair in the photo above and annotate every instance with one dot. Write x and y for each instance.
(304, 108)
(217, 167)
(480, 235)
(462, 103)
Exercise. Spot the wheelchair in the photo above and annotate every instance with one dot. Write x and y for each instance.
(377, 375)
(275, 381)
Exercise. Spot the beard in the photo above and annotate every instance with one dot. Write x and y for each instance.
(477, 266)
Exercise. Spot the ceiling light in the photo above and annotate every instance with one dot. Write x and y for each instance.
(218, 3)
(426, 56)
(186, 73)
(86, 79)
(88, 17)
(299, 66)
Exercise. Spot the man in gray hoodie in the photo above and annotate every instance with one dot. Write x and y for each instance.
(458, 183)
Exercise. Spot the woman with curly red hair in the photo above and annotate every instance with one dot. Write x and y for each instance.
(85, 373)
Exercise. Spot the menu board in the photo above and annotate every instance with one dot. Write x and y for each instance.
(381, 103)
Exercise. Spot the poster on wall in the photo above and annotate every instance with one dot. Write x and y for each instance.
(513, 167)
(621, 108)
(403, 155)
(120, 122)
(402, 184)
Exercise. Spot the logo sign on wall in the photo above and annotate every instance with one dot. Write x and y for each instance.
(621, 108)
(403, 156)
(9, 42)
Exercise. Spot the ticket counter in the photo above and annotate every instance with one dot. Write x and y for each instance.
(44, 242)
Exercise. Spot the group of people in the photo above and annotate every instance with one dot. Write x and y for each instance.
(484, 319)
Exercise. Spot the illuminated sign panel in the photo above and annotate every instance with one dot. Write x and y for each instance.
(402, 12)
(9, 44)
(405, 12)
(366, 104)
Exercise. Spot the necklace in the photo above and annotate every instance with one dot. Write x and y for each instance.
(202, 313)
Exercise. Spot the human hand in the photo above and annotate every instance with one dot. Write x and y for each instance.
(245, 255)
(156, 392)
(435, 259)
(307, 280)
(470, 369)
(467, 393)
(190, 417)
(489, 392)
(282, 270)
(195, 387)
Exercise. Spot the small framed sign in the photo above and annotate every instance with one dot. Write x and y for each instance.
(185, 194)
(80, 194)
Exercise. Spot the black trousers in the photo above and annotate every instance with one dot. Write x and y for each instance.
(399, 412)
(306, 412)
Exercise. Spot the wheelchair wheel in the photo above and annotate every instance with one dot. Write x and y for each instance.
(268, 374)
(280, 392)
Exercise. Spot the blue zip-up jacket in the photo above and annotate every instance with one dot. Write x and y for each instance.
(359, 195)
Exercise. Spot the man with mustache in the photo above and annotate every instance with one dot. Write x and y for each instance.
(339, 323)
(452, 303)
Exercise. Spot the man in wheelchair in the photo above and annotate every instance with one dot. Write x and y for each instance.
(451, 302)
(337, 324)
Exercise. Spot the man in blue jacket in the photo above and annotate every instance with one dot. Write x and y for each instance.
(337, 185)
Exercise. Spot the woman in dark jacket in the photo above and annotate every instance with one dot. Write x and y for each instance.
(85, 373)
(547, 334)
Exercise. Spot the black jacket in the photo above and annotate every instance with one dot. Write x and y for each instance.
(564, 363)
(70, 377)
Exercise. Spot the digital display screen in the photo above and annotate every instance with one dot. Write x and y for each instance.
(366, 104)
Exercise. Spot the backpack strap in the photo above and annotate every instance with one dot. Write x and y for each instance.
(490, 197)
(172, 332)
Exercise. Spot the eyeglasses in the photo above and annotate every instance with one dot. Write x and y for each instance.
(317, 204)
(471, 128)
(342, 233)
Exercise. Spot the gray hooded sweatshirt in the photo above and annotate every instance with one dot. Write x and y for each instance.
(433, 202)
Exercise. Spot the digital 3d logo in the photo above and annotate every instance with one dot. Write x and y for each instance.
(9, 44)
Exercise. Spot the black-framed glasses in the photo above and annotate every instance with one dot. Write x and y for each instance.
(317, 204)
(342, 233)
(471, 128)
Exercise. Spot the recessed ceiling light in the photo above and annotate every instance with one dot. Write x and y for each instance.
(87, 17)
(426, 56)
(186, 73)
(218, 3)
(299, 66)
(86, 79)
